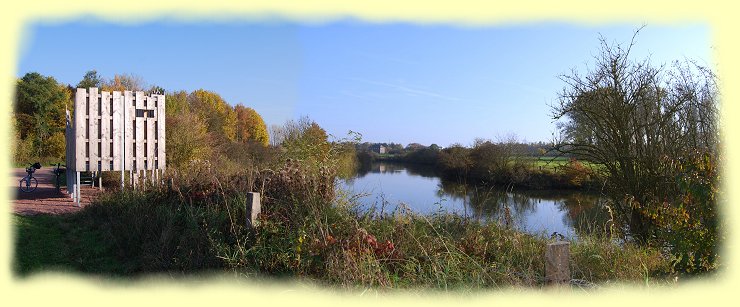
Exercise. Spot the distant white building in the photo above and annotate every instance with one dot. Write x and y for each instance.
(378, 148)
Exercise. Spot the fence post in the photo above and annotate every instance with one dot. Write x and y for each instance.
(557, 270)
(77, 189)
(253, 209)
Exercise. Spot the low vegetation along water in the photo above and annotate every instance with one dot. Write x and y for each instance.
(387, 187)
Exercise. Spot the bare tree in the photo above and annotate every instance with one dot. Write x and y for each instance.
(632, 117)
(124, 82)
(277, 134)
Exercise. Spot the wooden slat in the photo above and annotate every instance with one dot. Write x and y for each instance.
(128, 123)
(117, 130)
(79, 124)
(71, 157)
(128, 131)
(151, 140)
(93, 139)
(161, 120)
(105, 156)
(140, 126)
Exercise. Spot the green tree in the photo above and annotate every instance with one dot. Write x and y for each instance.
(177, 103)
(40, 113)
(490, 159)
(414, 146)
(22, 148)
(305, 140)
(91, 79)
(315, 134)
(156, 90)
(456, 159)
(187, 139)
(250, 126)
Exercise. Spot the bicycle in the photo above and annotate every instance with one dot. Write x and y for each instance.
(29, 183)
(59, 169)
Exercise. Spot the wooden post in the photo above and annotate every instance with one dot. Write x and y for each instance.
(80, 130)
(77, 190)
(557, 270)
(253, 209)
(118, 128)
(106, 132)
(159, 133)
(134, 177)
(72, 188)
(92, 130)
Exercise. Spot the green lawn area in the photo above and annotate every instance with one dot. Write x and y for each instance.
(59, 243)
(555, 164)
(38, 244)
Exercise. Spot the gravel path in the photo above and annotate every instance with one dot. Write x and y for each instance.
(46, 199)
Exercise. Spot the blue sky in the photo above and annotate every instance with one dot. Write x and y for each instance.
(395, 82)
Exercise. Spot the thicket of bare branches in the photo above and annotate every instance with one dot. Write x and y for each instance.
(637, 119)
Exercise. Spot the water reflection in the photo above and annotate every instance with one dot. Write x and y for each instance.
(388, 167)
(422, 190)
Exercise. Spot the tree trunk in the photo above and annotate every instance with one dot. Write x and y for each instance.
(638, 226)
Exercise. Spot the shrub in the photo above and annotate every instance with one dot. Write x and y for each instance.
(689, 224)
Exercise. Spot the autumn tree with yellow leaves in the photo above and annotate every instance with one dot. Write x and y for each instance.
(249, 126)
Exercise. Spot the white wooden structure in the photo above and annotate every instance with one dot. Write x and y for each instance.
(118, 131)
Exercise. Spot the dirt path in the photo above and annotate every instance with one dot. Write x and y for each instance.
(46, 199)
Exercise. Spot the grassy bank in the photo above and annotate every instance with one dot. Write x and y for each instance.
(308, 233)
(523, 173)
(59, 243)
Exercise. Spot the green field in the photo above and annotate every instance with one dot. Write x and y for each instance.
(556, 164)
(59, 243)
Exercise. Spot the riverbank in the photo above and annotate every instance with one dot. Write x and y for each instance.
(307, 234)
(528, 173)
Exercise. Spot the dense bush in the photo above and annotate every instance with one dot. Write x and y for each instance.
(156, 232)
(425, 155)
(689, 223)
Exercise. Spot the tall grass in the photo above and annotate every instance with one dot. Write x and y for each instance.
(308, 231)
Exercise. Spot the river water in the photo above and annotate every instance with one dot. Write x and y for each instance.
(385, 186)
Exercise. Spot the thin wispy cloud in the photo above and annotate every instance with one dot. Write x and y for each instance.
(522, 86)
(386, 58)
(263, 80)
(353, 95)
(408, 90)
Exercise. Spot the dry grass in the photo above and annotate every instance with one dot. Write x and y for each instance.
(309, 232)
